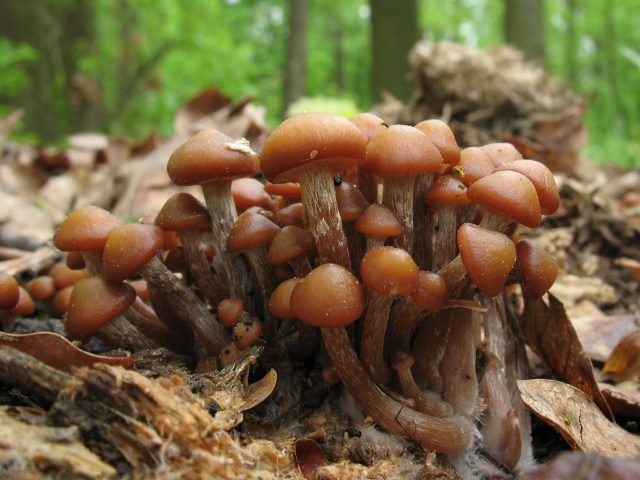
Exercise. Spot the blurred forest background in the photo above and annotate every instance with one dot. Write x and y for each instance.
(124, 67)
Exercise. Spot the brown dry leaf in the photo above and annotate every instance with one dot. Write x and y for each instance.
(58, 352)
(624, 398)
(577, 465)
(570, 412)
(257, 392)
(309, 457)
(204, 103)
(624, 361)
(550, 334)
(600, 333)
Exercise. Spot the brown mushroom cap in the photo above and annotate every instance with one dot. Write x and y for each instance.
(290, 215)
(25, 305)
(329, 296)
(542, 180)
(432, 293)
(246, 334)
(280, 301)
(501, 152)
(378, 221)
(129, 247)
(288, 190)
(63, 276)
(9, 291)
(538, 268)
(475, 164)
(248, 192)
(75, 261)
(389, 271)
(447, 190)
(61, 300)
(229, 311)
(401, 150)
(209, 156)
(487, 256)
(182, 211)
(319, 139)
(94, 303)
(402, 361)
(251, 230)
(369, 124)
(442, 137)
(509, 193)
(351, 202)
(85, 229)
(41, 288)
(290, 242)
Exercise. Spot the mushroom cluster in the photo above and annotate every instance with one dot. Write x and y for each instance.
(389, 243)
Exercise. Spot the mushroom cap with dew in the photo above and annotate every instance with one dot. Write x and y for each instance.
(542, 180)
(318, 139)
(251, 230)
(280, 301)
(290, 242)
(329, 296)
(447, 190)
(9, 291)
(501, 152)
(488, 257)
(209, 156)
(401, 150)
(130, 247)
(86, 229)
(182, 211)
(378, 221)
(442, 137)
(538, 268)
(94, 303)
(369, 124)
(511, 194)
(475, 164)
(432, 293)
(389, 271)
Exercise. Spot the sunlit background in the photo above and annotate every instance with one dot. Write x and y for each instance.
(125, 67)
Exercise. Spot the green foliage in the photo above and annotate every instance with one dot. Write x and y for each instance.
(13, 58)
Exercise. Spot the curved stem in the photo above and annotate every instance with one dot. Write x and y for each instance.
(373, 335)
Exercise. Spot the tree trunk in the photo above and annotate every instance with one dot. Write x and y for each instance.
(394, 32)
(571, 44)
(296, 52)
(524, 27)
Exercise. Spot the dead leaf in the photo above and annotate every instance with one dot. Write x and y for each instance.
(624, 361)
(204, 103)
(624, 399)
(259, 391)
(575, 465)
(572, 414)
(58, 352)
(599, 334)
(550, 334)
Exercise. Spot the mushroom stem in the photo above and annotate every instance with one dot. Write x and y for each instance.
(119, 332)
(230, 268)
(500, 426)
(300, 265)
(443, 435)
(199, 266)
(458, 365)
(445, 242)
(187, 304)
(405, 316)
(264, 275)
(368, 185)
(398, 196)
(321, 211)
(429, 347)
(494, 221)
(455, 276)
(373, 335)
(422, 222)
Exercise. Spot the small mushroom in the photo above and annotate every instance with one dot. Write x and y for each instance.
(9, 291)
(538, 269)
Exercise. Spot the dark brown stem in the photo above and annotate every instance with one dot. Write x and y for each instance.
(200, 268)
(300, 265)
(428, 349)
(187, 305)
(422, 223)
(405, 316)
(443, 435)
(368, 185)
(398, 196)
(120, 333)
(445, 238)
(266, 283)
(373, 335)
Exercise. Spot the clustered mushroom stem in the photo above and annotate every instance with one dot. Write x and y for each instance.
(428, 349)
(119, 332)
(373, 335)
(187, 304)
(444, 435)
(405, 317)
(422, 222)
(457, 368)
(199, 266)
(264, 275)
(494, 221)
(500, 426)
(368, 185)
(398, 196)
(445, 238)
(424, 402)
(93, 262)
(455, 276)
(230, 268)
(321, 211)
(300, 265)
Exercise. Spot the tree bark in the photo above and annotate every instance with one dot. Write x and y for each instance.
(296, 52)
(394, 32)
(524, 27)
